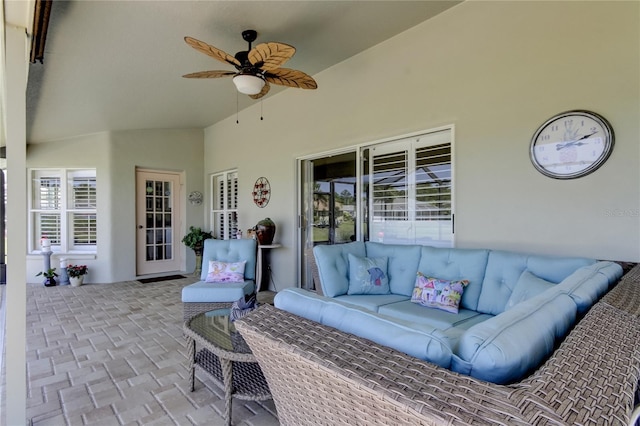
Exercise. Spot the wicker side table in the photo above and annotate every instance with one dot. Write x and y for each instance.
(224, 355)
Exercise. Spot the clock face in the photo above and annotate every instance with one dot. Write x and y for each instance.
(261, 192)
(571, 144)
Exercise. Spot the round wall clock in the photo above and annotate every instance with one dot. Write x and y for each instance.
(571, 144)
(261, 192)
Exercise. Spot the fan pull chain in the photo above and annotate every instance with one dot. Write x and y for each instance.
(237, 106)
(261, 117)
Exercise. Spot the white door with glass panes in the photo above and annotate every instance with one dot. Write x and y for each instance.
(158, 220)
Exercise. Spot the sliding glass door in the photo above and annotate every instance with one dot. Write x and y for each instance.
(398, 192)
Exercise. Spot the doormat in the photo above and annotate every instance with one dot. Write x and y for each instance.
(156, 279)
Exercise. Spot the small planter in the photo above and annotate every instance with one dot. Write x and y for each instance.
(76, 274)
(76, 281)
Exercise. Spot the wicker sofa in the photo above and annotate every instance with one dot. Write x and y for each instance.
(320, 375)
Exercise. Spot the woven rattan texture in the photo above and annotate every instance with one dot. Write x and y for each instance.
(191, 309)
(248, 381)
(626, 295)
(319, 375)
(374, 384)
(592, 377)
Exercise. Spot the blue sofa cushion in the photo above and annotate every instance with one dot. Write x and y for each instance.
(589, 283)
(216, 292)
(368, 275)
(402, 266)
(442, 320)
(372, 302)
(506, 347)
(230, 251)
(421, 341)
(504, 270)
(456, 264)
(528, 286)
(333, 266)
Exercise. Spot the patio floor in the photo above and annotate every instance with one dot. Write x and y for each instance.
(114, 354)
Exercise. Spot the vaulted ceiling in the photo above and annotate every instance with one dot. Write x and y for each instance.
(118, 65)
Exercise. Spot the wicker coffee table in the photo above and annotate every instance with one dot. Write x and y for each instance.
(224, 355)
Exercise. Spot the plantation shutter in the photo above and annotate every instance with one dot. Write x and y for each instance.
(47, 202)
(224, 212)
(84, 223)
(410, 190)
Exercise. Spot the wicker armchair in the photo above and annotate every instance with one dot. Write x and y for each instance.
(322, 376)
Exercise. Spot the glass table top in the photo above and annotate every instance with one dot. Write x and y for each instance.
(215, 327)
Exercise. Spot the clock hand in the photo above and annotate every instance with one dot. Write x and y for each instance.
(576, 142)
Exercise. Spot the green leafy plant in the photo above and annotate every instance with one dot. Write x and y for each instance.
(49, 273)
(76, 271)
(195, 238)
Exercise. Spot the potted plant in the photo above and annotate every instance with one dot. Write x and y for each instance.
(76, 274)
(195, 241)
(49, 277)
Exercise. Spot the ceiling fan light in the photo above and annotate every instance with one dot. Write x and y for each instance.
(248, 84)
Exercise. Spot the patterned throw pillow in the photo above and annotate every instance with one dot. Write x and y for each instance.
(368, 275)
(437, 293)
(224, 272)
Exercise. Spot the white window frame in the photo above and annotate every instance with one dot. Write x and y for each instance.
(224, 204)
(65, 211)
(411, 227)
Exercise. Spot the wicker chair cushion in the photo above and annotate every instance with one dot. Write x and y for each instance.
(231, 251)
(216, 292)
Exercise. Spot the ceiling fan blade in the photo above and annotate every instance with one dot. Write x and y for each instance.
(210, 74)
(270, 56)
(214, 52)
(290, 78)
(264, 91)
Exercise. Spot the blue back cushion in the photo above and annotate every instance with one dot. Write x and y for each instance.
(333, 266)
(401, 266)
(505, 268)
(454, 265)
(230, 251)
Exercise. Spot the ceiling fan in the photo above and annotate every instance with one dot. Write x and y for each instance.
(256, 67)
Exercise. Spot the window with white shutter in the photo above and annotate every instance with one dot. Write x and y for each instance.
(224, 204)
(64, 213)
(410, 190)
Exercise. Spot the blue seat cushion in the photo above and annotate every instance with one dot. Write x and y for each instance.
(372, 302)
(216, 292)
(408, 311)
(420, 341)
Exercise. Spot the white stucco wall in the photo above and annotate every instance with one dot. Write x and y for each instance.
(496, 70)
(115, 155)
